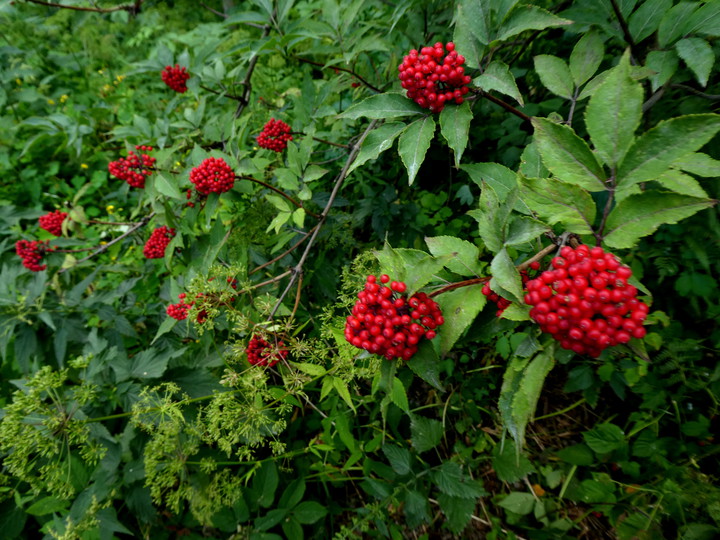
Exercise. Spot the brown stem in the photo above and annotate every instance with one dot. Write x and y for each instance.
(350, 71)
(539, 255)
(606, 211)
(503, 104)
(286, 252)
(297, 297)
(623, 24)
(248, 76)
(453, 286)
(279, 192)
(223, 94)
(131, 8)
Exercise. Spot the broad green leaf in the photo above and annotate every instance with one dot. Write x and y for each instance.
(500, 178)
(604, 438)
(342, 390)
(531, 165)
(314, 370)
(497, 76)
(459, 308)
(586, 57)
(467, 27)
(450, 479)
(457, 510)
(684, 184)
(641, 215)
(398, 395)
(464, 255)
(516, 312)
(593, 85)
(505, 274)
(567, 156)
(578, 454)
(518, 503)
(425, 362)
(384, 106)
(477, 14)
(399, 458)
(167, 187)
(414, 143)
(699, 164)
(426, 433)
(308, 512)
(647, 17)
(167, 325)
(654, 152)
(698, 55)
(377, 141)
(47, 505)
(557, 202)
(507, 465)
(673, 22)
(525, 17)
(664, 64)
(342, 424)
(613, 114)
(265, 482)
(454, 126)
(524, 229)
(706, 21)
(416, 268)
(292, 528)
(555, 75)
(293, 493)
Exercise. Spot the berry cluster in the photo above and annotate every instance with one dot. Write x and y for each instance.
(262, 353)
(176, 77)
(586, 302)
(133, 169)
(158, 241)
(31, 253)
(503, 303)
(188, 196)
(180, 310)
(384, 321)
(432, 79)
(213, 175)
(274, 136)
(52, 222)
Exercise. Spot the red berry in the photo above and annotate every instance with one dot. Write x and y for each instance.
(262, 353)
(175, 77)
(134, 168)
(213, 175)
(275, 135)
(31, 253)
(158, 241)
(52, 222)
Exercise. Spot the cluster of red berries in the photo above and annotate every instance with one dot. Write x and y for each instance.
(385, 321)
(432, 78)
(188, 196)
(213, 175)
(503, 303)
(586, 302)
(180, 310)
(275, 135)
(158, 241)
(31, 253)
(53, 221)
(262, 353)
(176, 77)
(133, 169)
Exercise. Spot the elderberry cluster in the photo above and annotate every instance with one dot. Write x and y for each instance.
(52, 222)
(158, 241)
(133, 169)
(501, 302)
(385, 321)
(432, 78)
(275, 135)
(180, 310)
(175, 77)
(31, 253)
(262, 353)
(213, 175)
(586, 302)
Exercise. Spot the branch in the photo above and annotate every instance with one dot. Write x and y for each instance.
(130, 8)
(339, 145)
(246, 81)
(503, 104)
(223, 94)
(350, 71)
(286, 252)
(279, 192)
(623, 24)
(297, 269)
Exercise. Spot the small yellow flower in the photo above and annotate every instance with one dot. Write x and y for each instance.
(107, 88)
(110, 208)
(120, 78)
(18, 81)
(63, 98)
(100, 71)
(83, 166)
(178, 164)
(51, 102)
(103, 242)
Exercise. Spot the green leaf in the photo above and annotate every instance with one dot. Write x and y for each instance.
(578, 454)
(293, 494)
(47, 505)
(699, 164)
(497, 76)
(613, 114)
(478, 15)
(377, 141)
(640, 215)
(555, 75)
(167, 186)
(492, 217)
(292, 528)
(698, 55)
(398, 395)
(664, 64)
(586, 57)
(463, 255)
(308, 512)
(416, 268)
(425, 363)
(531, 165)
(604, 438)
(399, 458)
(647, 17)
(655, 151)
(469, 34)
(678, 182)
(414, 143)
(265, 483)
(149, 364)
(383, 106)
(524, 17)
(706, 20)
(342, 390)
(500, 178)
(518, 502)
(457, 510)
(509, 464)
(505, 274)
(451, 481)
(524, 229)
(459, 308)
(342, 424)
(167, 325)
(426, 433)
(454, 126)
(567, 156)
(673, 22)
(314, 370)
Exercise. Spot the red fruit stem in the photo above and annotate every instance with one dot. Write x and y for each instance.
(502, 103)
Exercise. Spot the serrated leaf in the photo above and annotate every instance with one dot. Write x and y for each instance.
(641, 215)
(398, 395)
(500, 178)
(314, 370)
(167, 325)
(455, 126)
(493, 236)
(342, 389)
(507, 465)
(557, 202)
(167, 187)
(450, 479)
(699, 164)
(467, 25)
(416, 268)
(414, 143)
(293, 493)
(586, 57)
(308, 512)
(555, 75)
(647, 17)
(425, 363)
(516, 312)
(426, 433)
(524, 17)
(698, 55)
(673, 22)
(706, 20)
(518, 503)
(664, 64)
(567, 156)
(462, 256)
(678, 182)
(604, 438)
(383, 106)
(531, 165)
(524, 229)
(497, 76)
(399, 458)
(654, 152)
(457, 510)
(459, 308)
(613, 114)
(377, 141)
(478, 13)
(506, 275)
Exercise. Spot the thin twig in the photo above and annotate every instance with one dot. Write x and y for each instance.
(346, 70)
(223, 94)
(130, 8)
(279, 192)
(503, 104)
(711, 97)
(286, 252)
(339, 145)
(213, 11)
(297, 269)
(248, 76)
(539, 255)
(623, 24)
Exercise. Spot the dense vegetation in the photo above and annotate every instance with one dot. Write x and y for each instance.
(182, 351)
